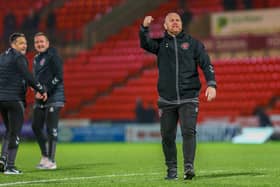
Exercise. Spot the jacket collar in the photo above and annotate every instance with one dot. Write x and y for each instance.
(180, 35)
(50, 50)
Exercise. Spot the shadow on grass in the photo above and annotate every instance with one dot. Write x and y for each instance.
(80, 166)
(233, 174)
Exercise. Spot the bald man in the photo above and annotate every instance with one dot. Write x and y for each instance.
(178, 58)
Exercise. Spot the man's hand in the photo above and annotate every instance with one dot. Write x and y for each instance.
(147, 21)
(38, 95)
(210, 93)
(43, 96)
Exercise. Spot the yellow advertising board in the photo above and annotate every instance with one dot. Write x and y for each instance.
(263, 21)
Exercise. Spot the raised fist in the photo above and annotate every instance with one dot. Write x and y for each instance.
(147, 21)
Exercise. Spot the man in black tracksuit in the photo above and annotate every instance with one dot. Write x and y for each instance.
(14, 78)
(48, 70)
(178, 56)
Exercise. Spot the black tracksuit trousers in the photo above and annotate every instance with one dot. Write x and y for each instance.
(187, 115)
(48, 116)
(13, 116)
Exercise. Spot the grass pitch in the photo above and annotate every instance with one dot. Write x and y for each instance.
(125, 164)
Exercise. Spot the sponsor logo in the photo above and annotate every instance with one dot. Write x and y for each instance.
(160, 112)
(54, 132)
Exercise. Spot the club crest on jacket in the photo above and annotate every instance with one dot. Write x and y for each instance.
(42, 62)
(185, 45)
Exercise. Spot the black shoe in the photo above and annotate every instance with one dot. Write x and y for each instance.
(189, 173)
(2, 164)
(12, 170)
(171, 174)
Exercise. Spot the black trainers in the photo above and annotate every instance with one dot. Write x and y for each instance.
(171, 174)
(189, 172)
(12, 171)
(2, 164)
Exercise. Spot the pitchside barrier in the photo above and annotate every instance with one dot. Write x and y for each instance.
(210, 131)
(142, 133)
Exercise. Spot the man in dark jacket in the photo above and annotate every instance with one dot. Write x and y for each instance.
(48, 70)
(14, 78)
(178, 56)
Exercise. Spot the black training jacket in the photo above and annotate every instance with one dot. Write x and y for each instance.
(15, 77)
(178, 58)
(48, 70)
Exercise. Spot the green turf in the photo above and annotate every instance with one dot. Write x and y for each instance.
(124, 164)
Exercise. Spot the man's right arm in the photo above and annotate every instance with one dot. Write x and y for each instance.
(22, 66)
(145, 41)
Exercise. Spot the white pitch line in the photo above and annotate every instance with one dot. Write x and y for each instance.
(75, 178)
(121, 175)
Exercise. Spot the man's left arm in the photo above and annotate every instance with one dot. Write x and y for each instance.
(57, 71)
(208, 70)
(203, 60)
